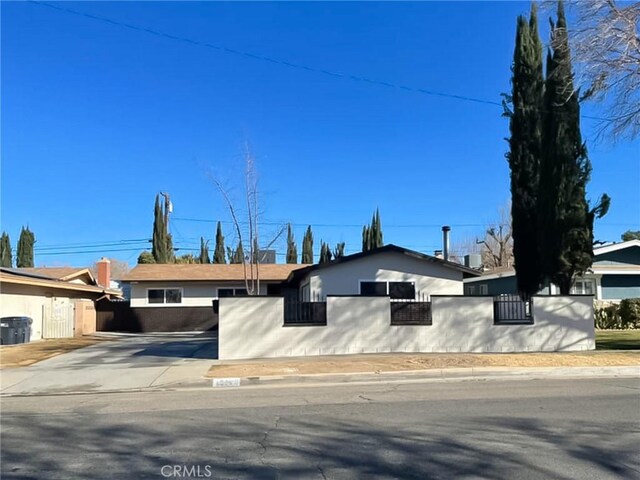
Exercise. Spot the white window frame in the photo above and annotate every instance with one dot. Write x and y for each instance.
(582, 290)
(164, 297)
(483, 289)
(471, 289)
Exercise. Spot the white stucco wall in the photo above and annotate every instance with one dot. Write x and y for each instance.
(344, 279)
(253, 328)
(194, 294)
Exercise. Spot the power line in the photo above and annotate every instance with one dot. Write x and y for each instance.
(233, 51)
(346, 225)
(91, 245)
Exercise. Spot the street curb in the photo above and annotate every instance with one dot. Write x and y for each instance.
(368, 378)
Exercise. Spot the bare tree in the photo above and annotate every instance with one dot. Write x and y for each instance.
(248, 235)
(118, 268)
(605, 48)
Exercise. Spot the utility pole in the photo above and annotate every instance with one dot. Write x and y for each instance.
(168, 208)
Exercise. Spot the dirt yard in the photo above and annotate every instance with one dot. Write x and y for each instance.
(30, 353)
(375, 363)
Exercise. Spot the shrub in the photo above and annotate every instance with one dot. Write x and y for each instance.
(629, 312)
(608, 317)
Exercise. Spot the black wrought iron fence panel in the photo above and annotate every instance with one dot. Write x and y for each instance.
(310, 313)
(410, 313)
(511, 309)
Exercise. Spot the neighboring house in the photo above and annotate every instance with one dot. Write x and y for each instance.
(67, 274)
(614, 275)
(181, 297)
(59, 307)
(386, 271)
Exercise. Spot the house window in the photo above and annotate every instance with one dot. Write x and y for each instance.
(483, 289)
(164, 295)
(471, 290)
(373, 288)
(231, 292)
(402, 290)
(583, 287)
(395, 290)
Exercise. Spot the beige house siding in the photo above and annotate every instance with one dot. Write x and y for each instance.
(344, 279)
(194, 294)
(32, 301)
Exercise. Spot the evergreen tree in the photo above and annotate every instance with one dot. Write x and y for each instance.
(377, 236)
(338, 251)
(236, 256)
(525, 150)
(307, 247)
(325, 253)
(159, 239)
(372, 234)
(146, 257)
(565, 219)
(204, 251)
(5, 251)
(161, 242)
(292, 249)
(24, 258)
(630, 235)
(366, 239)
(218, 254)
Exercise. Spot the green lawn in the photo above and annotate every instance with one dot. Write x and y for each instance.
(618, 339)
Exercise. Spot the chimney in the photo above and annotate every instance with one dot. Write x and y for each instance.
(104, 272)
(445, 241)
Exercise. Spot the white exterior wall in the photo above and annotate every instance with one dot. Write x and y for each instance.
(253, 328)
(344, 279)
(194, 294)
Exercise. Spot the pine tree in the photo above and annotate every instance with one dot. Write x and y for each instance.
(146, 257)
(307, 247)
(5, 251)
(524, 152)
(24, 258)
(338, 251)
(204, 251)
(218, 255)
(565, 220)
(292, 249)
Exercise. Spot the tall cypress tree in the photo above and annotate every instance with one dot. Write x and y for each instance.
(307, 247)
(565, 219)
(24, 258)
(218, 254)
(292, 249)
(159, 239)
(338, 251)
(525, 150)
(372, 234)
(377, 237)
(325, 253)
(5, 251)
(204, 251)
(238, 255)
(366, 239)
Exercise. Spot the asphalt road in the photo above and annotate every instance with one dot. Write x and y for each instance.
(498, 429)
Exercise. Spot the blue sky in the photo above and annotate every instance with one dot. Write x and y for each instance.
(98, 118)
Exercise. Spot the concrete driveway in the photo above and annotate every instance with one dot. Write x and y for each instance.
(129, 362)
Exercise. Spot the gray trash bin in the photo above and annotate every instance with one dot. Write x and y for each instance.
(15, 330)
